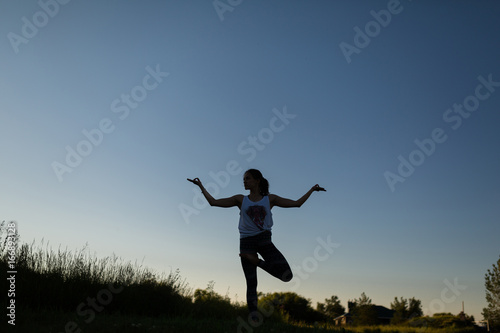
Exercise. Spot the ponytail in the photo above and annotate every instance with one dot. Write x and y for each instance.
(264, 187)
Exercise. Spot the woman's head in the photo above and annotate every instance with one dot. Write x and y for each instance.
(253, 177)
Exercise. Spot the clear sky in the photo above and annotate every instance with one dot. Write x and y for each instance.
(393, 107)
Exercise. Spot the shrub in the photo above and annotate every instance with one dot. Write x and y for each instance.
(207, 303)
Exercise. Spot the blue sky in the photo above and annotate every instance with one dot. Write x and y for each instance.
(174, 90)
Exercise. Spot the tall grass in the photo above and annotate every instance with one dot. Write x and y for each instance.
(62, 279)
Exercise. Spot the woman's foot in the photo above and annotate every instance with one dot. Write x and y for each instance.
(254, 319)
(252, 257)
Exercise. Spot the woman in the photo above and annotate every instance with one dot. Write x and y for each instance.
(255, 229)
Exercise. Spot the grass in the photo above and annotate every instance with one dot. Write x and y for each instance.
(55, 322)
(74, 291)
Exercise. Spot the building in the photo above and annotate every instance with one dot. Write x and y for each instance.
(384, 316)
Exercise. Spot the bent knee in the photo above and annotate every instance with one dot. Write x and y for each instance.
(287, 277)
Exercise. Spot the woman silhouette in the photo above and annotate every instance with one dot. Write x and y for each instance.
(255, 229)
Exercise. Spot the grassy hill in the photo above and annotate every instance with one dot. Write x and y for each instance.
(64, 291)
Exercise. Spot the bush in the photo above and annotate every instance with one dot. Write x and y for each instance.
(291, 308)
(443, 321)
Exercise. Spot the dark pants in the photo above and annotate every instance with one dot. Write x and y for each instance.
(273, 262)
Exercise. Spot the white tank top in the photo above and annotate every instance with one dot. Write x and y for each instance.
(255, 217)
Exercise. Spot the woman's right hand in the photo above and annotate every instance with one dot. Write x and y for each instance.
(195, 181)
(318, 188)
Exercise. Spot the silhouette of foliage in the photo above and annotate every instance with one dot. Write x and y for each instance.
(492, 284)
(363, 311)
(292, 306)
(404, 309)
(332, 307)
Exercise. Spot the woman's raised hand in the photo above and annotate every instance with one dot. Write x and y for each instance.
(195, 181)
(318, 188)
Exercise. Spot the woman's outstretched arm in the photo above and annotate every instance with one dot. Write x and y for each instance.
(286, 203)
(235, 200)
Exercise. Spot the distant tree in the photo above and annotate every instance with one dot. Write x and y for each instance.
(364, 300)
(294, 306)
(208, 303)
(492, 284)
(400, 308)
(363, 311)
(404, 309)
(414, 308)
(331, 308)
(208, 294)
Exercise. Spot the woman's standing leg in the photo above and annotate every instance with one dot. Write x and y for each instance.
(248, 245)
(250, 271)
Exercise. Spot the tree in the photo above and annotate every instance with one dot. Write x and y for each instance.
(208, 303)
(208, 294)
(405, 309)
(414, 308)
(364, 300)
(331, 308)
(492, 284)
(363, 311)
(400, 308)
(296, 307)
